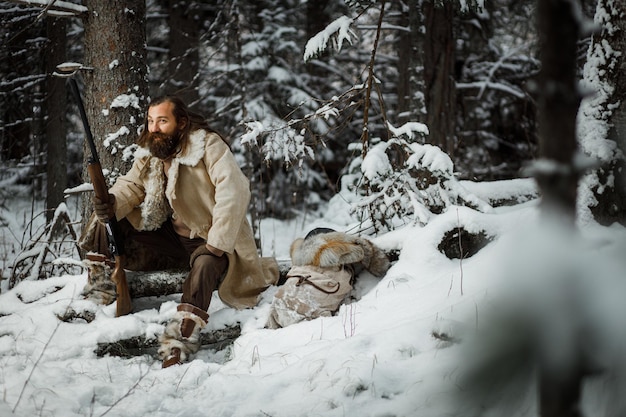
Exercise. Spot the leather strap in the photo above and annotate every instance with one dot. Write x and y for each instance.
(187, 326)
(172, 359)
(97, 257)
(189, 308)
(304, 279)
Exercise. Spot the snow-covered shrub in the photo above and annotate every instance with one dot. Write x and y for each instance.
(401, 181)
(277, 111)
(286, 157)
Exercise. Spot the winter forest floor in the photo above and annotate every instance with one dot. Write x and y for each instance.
(414, 343)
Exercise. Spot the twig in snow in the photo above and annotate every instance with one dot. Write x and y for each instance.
(182, 377)
(458, 222)
(445, 337)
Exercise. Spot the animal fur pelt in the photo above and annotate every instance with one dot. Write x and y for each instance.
(337, 249)
(155, 208)
(99, 288)
(172, 337)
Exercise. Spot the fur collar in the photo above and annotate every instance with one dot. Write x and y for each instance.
(192, 155)
(195, 149)
(156, 207)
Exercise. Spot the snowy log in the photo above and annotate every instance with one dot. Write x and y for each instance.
(159, 283)
(139, 345)
(155, 283)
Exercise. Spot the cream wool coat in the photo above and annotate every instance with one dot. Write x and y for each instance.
(206, 189)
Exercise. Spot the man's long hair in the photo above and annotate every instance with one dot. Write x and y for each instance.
(181, 112)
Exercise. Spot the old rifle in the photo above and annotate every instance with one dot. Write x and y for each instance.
(114, 238)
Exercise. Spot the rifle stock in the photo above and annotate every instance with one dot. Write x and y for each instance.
(97, 179)
(124, 305)
(116, 248)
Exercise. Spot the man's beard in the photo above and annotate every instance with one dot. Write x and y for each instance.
(163, 146)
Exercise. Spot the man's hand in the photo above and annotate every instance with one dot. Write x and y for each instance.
(207, 250)
(214, 251)
(104, 211)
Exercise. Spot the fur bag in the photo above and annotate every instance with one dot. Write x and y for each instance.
(329, 249)
(309, 292)
(323, 267)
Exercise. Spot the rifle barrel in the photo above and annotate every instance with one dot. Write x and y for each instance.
(83, 117)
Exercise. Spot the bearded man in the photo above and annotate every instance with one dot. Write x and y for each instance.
(183, 203)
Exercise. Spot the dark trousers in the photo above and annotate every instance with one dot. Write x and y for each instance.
(164, 248)
(206, 271)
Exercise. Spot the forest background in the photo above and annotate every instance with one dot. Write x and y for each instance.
(307, 91)
(387, 103)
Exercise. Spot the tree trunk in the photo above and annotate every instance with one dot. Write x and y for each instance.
(184, 23)
(115, 87)
(558, 102)
(557, 106)
(56, 134)
(411, 106)
(440, 92)
(611, 205)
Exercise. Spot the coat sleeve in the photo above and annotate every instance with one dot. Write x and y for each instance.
(232, 195)
(129, 190)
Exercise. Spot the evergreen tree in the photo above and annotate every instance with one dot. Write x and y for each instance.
(602, 120)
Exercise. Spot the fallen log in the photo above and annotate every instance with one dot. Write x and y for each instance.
(139, 345)
(155, 283)
(159, 283)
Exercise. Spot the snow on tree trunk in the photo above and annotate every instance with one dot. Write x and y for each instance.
(602, 119)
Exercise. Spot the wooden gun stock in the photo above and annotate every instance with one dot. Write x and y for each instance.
(124, 305)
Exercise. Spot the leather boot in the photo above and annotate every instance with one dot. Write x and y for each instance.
(173, 358)
(99, 288)
(181, 337)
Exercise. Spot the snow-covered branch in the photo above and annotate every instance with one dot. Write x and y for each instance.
(338, 31)
(55, 7)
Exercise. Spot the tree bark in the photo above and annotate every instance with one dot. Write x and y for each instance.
(184, 24)
(558, 102)
(56, 133)
(115, 86)
(155, 284)
(611, 205)
(410, 45)
(440, 91)
(557, 106)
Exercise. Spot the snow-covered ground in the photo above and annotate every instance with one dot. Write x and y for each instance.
(377, 357)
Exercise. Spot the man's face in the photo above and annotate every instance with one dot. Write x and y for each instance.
(161, 119)
(164, 130)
